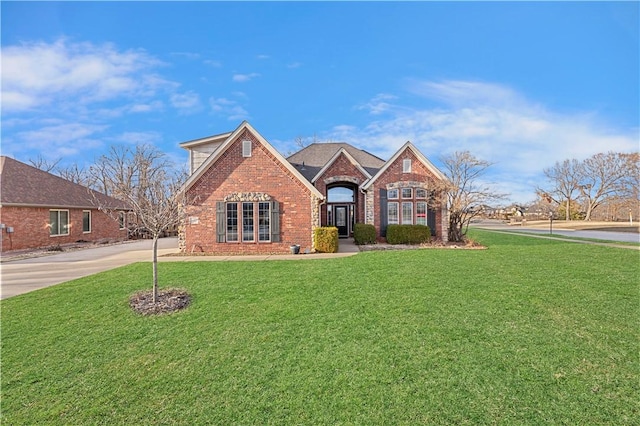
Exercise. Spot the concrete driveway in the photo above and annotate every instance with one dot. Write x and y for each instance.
(22, 276)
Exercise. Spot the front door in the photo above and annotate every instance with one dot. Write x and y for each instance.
(341, 220)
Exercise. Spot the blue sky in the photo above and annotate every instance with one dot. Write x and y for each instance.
(522, 85)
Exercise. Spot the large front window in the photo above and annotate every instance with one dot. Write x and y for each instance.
(59, 222)
(248, 214)
(392, 214)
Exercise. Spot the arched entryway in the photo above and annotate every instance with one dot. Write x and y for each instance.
(341, 207)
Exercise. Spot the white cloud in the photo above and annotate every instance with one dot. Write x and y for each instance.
(492, 121)
(294, 65)
(37, 74)
(186, 103)
(135, 138)
(58, 140)
(241, 78)
(232, 110)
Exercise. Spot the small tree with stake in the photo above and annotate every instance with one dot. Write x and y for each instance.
(147, 182)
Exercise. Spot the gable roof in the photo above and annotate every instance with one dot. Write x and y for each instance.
(333, 159)
(311, 159)
(408, 145)
(25, 185)
(229, 141)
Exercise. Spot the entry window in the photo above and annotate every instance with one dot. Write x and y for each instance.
(59, 222)
(86, 221)
(340, 194)
(407, 213)
(392, 214)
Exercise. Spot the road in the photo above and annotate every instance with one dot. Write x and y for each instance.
(627, 237)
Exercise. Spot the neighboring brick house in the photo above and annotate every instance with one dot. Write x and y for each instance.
(38, 209)
(244, 197)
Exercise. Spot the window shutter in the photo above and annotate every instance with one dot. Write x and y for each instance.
(220, 221)
(383, 212)
(431, 221)
(275, 222)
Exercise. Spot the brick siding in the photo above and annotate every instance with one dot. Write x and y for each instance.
(31, 228)
(261, 173)
(393, 176)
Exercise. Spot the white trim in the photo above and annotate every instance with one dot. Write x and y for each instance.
(90, 227)
(333, 160)
(58, 230)
(433, 169)
(229, 141)
(246, 148)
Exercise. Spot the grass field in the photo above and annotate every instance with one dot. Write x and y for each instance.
(530, 331)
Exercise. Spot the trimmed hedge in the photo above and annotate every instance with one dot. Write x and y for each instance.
(408, 234)
(326, 239)
(364, 234)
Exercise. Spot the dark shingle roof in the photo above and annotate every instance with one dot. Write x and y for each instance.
(24, 185)
(317, 155)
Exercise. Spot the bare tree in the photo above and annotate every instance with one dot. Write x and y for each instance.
(603, 176)
(75, 174)
(43, 164)
(564, 179)
(148, 183)
(464, 193)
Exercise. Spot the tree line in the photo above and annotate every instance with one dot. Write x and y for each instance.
(577, 189)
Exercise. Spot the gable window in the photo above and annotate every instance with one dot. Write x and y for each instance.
(59, 222)
(406, 165)
(392, 194)
(392, 214)
(407, 213)
(246, 148)
(236, 222)
(407, 193)
(86, 221)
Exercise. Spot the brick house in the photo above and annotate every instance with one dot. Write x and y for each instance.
(245, 197)
(38, 209)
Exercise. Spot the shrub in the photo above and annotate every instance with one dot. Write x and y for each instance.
(326, 239)
(408, 234)
(364, 233)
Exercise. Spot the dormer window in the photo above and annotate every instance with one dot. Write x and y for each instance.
(246, 148)
(406, 165)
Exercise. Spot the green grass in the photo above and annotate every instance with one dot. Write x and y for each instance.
(529, 331)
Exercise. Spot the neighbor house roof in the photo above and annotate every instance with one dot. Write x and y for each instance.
(25, 185)
(311, 159)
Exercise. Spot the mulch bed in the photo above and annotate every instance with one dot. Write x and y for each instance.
(169, 300)
(466, 245)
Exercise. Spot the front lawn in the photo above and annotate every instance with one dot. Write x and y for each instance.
(530, 331)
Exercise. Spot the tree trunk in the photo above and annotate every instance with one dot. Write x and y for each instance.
(155, 269)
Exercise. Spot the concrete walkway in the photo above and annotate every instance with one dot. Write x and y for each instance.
(25, 275)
